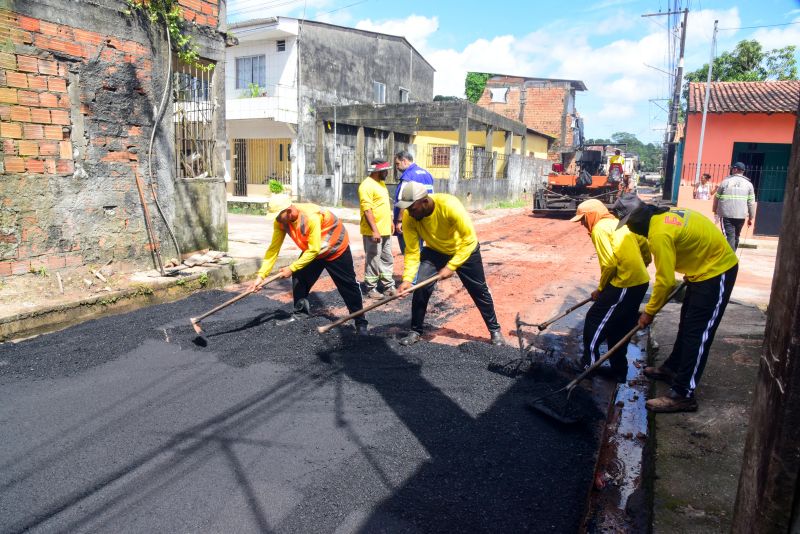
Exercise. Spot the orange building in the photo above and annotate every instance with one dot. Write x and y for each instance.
(751, 122)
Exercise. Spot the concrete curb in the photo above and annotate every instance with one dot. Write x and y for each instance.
(50, 318)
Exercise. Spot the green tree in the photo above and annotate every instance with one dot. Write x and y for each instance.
(748, 62)
(474, 84)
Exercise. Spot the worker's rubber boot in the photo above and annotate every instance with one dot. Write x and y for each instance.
(362, 328)
(302, 310)
(496, 338)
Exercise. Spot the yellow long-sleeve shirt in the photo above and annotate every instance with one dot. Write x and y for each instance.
(313, 218)
(685, 241)
(447, 230)
(623, 258)
(373, 195)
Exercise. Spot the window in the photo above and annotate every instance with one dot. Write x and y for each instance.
(440, 156)
(252, 69)
(403, 95)
(499, 94)
(281, 45)
(280, 152)
(379, 92)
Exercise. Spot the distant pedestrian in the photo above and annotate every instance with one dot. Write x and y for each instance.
(702, 190)
(376, 230)
(411, 172)
(451, 247)
(734, 202)
(687, 242)
(623, 258)
(324, 243)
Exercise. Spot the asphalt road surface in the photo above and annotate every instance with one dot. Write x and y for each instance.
(128, 424)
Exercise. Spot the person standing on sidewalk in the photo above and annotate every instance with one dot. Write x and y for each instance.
(623, 258)
(411, 172)
(685, 241)
(324, 243)
(376, 230)
(451, 247)
(734, 202)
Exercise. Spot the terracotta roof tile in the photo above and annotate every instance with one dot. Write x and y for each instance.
(746, 97)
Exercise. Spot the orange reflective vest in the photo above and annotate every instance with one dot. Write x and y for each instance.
(332, 233)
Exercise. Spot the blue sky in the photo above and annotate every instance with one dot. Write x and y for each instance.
(606, 43)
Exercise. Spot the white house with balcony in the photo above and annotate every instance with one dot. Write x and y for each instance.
(282, 65)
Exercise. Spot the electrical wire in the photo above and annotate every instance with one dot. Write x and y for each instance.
(763, 26)
(159, 114)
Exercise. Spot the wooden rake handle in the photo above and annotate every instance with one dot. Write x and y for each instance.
(385, 300)
(542, 326)
(237, 298)
(621, 343)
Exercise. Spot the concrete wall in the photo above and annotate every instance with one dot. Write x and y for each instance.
(77, 104)
(523, 175)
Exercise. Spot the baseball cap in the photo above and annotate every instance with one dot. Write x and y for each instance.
(278, 203)
(739, 165)
(410, 192)
(588, 206)
(378, 166)
(625, 206)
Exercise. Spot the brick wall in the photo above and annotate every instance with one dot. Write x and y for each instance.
(76, 114)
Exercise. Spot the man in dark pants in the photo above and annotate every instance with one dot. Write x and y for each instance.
(683, 241)
(734, 202)
(623, 258)
(411, 172)
(451, 247)
(323, 239)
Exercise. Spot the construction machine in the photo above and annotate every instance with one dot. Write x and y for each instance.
(562, 191)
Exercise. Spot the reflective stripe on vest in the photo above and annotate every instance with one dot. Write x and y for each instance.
(332, 232)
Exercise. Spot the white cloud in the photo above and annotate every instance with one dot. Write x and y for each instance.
(414, 28)
(779, 37)
(616, 111)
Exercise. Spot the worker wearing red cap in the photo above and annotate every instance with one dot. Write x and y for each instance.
(376, 230)
(623, 259)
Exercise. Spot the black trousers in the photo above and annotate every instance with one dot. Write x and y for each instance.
(342, 273)
(471, 275)
(701, 314)
(613, 314)
(732, 228)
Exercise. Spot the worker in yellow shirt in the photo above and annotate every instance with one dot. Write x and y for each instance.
(616, 167)
(685, 241)
(376, 230)
(623, 283)
(451, 247)
(324, 243)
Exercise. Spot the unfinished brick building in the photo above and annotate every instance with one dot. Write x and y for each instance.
(542, 104)
(80, 91)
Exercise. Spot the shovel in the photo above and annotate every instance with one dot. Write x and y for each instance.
(385, 300)
(542, 326)
(562, 415)
(196, 320)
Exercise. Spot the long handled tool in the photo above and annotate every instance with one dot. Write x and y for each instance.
(196, 320)
(562, 415)
(385, 300)
(542, 326)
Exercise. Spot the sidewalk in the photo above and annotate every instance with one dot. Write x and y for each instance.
(698, 455)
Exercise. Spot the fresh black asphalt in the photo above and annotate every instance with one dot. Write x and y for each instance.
(130, 424)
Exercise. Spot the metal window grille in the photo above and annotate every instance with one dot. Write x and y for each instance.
(439, 156)
(192, 114)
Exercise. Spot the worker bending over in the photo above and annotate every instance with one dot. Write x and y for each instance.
(623, 258)
(324, 243)
(685, 241)
(451, 246)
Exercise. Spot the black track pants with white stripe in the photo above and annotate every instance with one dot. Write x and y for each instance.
(611, 316)
(701, 314)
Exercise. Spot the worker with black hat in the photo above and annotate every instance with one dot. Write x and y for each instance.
(685, 241)
(451, 247)
(735, 201)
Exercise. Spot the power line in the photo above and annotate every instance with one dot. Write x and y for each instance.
(344, 7)
(764, 26)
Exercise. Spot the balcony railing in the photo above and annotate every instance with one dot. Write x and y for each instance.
(276, 102)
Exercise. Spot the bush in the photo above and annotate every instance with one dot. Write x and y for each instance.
(275, 186)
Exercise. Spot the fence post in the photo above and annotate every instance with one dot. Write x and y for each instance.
(455, 170)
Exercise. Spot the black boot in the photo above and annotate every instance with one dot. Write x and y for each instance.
(302, 310)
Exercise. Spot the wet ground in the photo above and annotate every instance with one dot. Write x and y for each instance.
(130, 424)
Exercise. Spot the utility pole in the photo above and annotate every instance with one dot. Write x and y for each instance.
(705, 106)
(669, 138)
